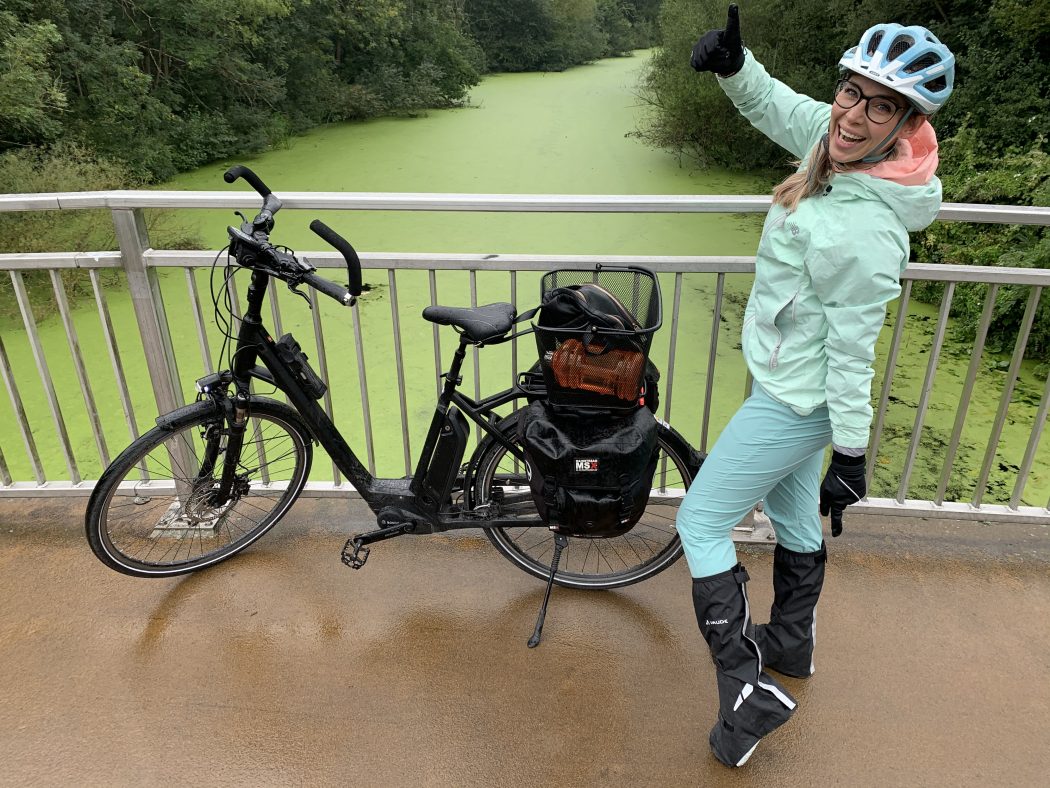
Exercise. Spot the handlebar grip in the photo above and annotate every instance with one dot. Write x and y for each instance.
(240, 171)
(353, 262)
(331, 289)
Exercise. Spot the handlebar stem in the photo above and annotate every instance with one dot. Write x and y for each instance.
(256, 296)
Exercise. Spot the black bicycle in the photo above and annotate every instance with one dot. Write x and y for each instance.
(214, 476)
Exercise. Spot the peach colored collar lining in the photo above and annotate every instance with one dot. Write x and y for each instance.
(915, 162)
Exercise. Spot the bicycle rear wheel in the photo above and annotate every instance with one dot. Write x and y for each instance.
(151, 513)
(647, 549)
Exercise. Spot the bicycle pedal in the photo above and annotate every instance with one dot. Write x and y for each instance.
(354, 553)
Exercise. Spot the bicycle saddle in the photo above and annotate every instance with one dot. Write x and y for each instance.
(477, 323)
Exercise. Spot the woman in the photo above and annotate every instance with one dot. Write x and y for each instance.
(832, 250)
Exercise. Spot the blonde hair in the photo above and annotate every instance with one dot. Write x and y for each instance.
(815, 178)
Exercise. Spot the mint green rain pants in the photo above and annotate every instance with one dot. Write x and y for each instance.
(768, 453)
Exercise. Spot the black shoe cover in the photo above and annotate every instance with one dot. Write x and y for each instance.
(751, 703)
(787, 641)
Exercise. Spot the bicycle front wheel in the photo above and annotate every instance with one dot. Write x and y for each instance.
(647, 549)
(153, 512)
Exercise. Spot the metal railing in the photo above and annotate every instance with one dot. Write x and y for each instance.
(141, 265)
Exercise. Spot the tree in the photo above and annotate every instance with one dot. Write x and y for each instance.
(165, 87)
(515, 35)
(30, 93)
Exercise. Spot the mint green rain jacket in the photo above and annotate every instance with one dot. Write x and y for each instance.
(823, 274)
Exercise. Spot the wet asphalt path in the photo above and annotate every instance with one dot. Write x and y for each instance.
(282, 667)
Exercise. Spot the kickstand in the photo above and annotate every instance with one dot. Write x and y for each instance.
(560, 543)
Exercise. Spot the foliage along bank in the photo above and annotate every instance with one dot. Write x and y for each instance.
(107, 94)
(164, 87)
(993, 130)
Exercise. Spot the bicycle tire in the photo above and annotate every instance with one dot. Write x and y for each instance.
(654, 542)
(136, 510)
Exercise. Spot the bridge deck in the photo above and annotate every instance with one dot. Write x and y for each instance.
(283, 667)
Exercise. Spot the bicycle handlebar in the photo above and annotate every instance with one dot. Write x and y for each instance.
(353, 262)
(338, 292)
(282, 264)
(240, 171)
(271, 204)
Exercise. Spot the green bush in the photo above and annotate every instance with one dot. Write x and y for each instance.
(552, 35)
(55, 169)
(1016, 178)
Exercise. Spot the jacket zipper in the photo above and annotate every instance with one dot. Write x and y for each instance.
(774, 358)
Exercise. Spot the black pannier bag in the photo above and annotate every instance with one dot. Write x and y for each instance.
(590, 473)
(590, 443)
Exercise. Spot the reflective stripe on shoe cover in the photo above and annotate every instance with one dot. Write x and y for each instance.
(743, 628)
(779, 695)
(745, 693)
(747, 755)
(813, 642)
(788, 702)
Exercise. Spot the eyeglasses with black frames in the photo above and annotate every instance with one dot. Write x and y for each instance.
(879, 109)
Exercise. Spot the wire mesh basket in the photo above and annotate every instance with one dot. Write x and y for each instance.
(597, 357)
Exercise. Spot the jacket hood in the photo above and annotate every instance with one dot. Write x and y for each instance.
(916, 160)
(915, 206)
(907, 184)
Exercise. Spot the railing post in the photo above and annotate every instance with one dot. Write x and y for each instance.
(144, 286)
(133, 239)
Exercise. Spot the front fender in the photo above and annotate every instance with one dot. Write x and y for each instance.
(170, 421)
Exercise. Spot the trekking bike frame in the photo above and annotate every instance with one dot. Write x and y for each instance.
(415, 505)
(211, 478)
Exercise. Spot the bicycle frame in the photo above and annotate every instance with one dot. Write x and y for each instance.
(394, 500)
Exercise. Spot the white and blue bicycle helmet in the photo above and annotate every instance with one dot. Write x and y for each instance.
(908, 60)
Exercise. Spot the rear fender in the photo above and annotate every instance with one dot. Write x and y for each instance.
(692, 457)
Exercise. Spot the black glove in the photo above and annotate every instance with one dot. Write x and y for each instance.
(720, 51)
(843, 485)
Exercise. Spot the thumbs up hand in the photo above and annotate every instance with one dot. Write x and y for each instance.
(720, 51)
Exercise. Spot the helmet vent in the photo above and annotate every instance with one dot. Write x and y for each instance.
(874, 43)
(900, 45)
(935, 85)
(925, 61)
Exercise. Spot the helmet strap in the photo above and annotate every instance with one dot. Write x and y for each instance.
(875, 158)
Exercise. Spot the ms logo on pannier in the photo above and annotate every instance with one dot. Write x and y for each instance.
(590, 474)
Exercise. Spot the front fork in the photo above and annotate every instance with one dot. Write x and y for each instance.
(235, 415)
(236, 411)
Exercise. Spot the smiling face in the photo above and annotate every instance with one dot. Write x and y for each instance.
(853, 133)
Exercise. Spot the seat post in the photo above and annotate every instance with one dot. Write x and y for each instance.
(452, 377)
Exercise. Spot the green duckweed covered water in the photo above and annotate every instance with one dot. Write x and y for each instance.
(523, 133)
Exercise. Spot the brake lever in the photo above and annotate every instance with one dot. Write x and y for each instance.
(293, 287)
